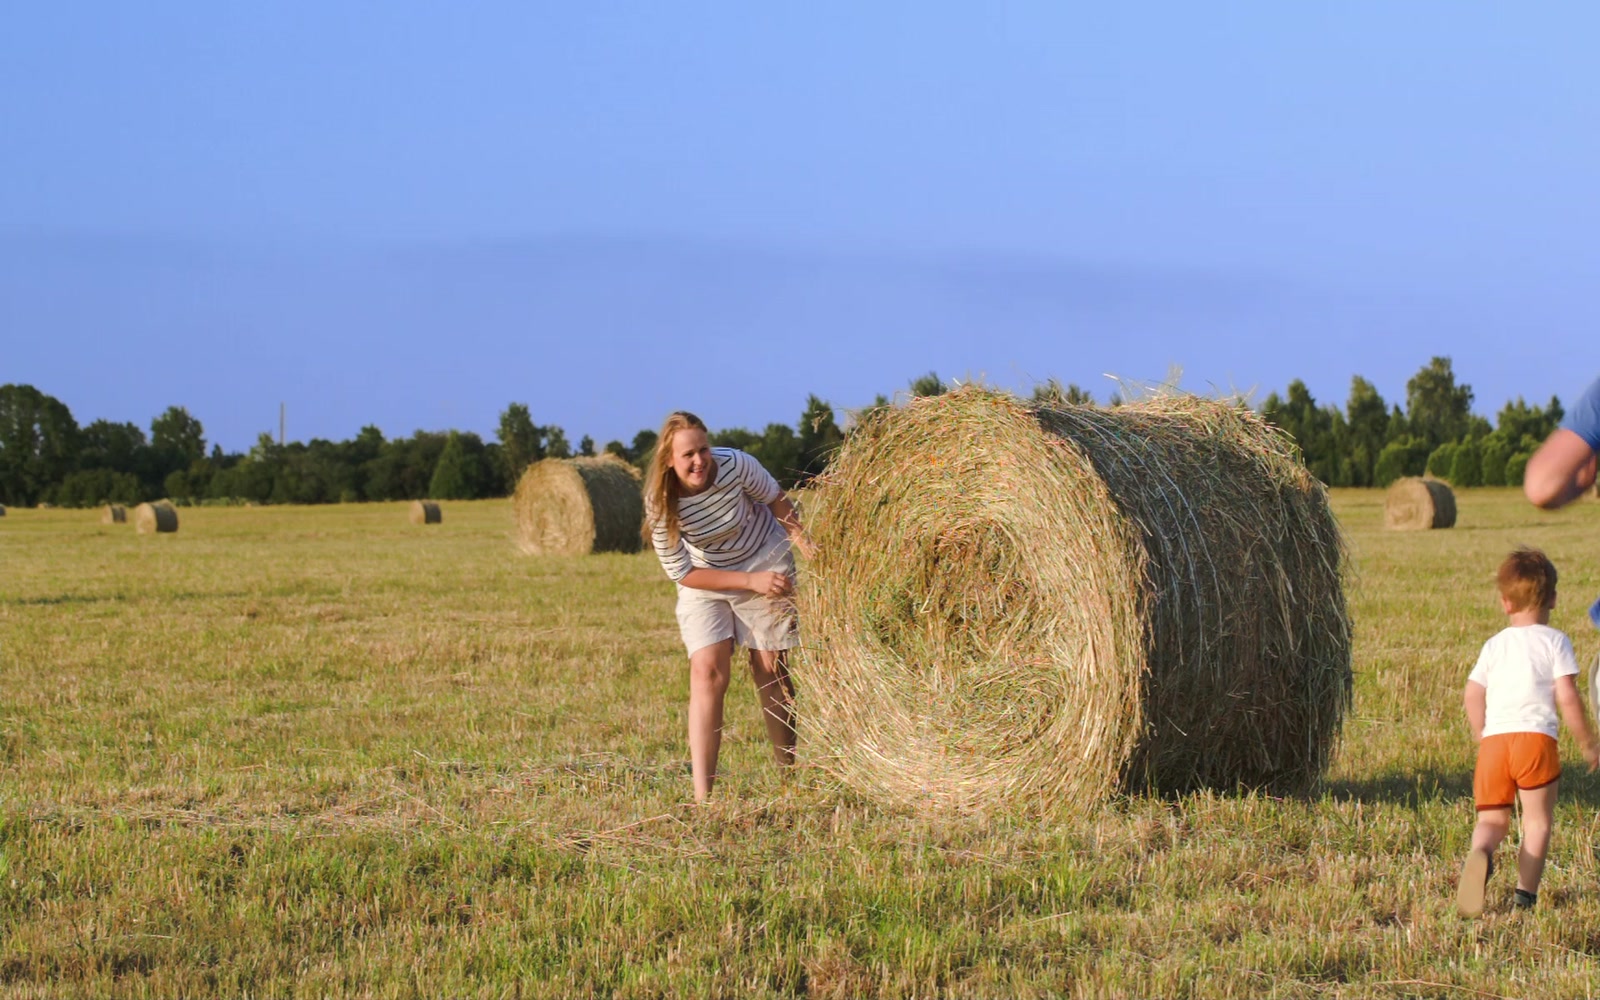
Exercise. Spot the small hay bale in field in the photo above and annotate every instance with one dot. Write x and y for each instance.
(113, 513)
(425, 512)
(576, 506)
(1016, 607)
(159, 516)
(1417, 504)
(2, 510)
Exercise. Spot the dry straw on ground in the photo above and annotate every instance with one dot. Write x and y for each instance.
(575, 506)
(159, 516)
(1417, 504)
(1022, 608)
(425, 512)
(113, 513)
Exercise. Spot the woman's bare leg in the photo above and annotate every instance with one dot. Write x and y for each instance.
(770, 670)
(709, 669)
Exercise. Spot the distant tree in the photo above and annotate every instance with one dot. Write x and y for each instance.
(92, 487)
(1051, 393)
(778, 450)
(555, 443)
(1494, 452)
(1404, 456)
(928, 385)
(643, 448)
(521, 442)
(1466, 467)
(1443, 459)
(616, 448)
(451, 478)
(1367, 417)
(818, 439)
(586, 446)
(120, 447)
(1516, 467)
(178, 439)
(1436, 407)
(39, 444)
(1517, 421)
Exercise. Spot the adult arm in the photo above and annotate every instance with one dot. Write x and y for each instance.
(1475, 701)
(787, 516)
(1561, 471)
(766, 582)
(1570, 702)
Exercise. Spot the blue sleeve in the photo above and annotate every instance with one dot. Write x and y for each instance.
(1584, 417)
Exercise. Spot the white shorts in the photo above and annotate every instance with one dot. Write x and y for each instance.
(754, 621)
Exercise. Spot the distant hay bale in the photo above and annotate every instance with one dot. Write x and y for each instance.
(1417, 504)
(113, 513)
(576, 506)
(425, 512)
(159, 516)
(1018, 607)
(2, 510)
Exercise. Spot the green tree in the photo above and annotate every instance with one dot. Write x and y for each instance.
(521, 442)
(1051, 393)
(39, 444)
(928, 385)
(1367, 417)
(452, 480)
(1404, 456)
(1466, 467)
(1495, 451)
(555, 443)
(586, 446)
(818, 439)
(1442, 460)
(1438, 409)
(177, 438)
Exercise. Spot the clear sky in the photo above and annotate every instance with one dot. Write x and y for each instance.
(411, 214)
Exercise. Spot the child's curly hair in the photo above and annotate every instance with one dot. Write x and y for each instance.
(1527, 579)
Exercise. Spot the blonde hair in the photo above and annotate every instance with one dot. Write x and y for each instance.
(1527, 579)
(661, 486)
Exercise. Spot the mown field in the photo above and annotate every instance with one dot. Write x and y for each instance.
(323, 752)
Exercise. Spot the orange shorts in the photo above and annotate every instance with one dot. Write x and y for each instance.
(1509, 761)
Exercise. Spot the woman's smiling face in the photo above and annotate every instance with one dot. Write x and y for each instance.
(691, 460)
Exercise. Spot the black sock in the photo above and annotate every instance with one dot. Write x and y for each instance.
(1526, 899)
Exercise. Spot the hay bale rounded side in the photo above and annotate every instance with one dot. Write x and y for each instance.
(157, 517)
(1015, 607)
(113, 513)
(578, 506)
(426, 512)
(1418, 504)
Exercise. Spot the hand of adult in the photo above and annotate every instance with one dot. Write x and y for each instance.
(804, 544)
(770, 584)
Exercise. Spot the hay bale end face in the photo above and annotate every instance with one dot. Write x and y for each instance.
(1019, 608)
(157, 517)
(579, 506)
(1418, 504)
(426, 512)
(113, 513)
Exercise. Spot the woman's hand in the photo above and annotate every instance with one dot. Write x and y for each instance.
(803, 544)
(771, 584)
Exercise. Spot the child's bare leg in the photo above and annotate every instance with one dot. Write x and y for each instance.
(770, 669)
(1538, 815)
(1492, 827)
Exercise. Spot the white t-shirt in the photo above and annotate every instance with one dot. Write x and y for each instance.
(1518, 669)
(728, 525)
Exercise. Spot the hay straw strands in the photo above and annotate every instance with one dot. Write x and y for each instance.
(576, 506)
(1018, 608)
(1417, 504)
(425, 512)
(113, 513)
(159, 516)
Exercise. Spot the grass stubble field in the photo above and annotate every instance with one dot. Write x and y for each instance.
(323, 752)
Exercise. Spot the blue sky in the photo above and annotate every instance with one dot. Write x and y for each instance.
(411, 215)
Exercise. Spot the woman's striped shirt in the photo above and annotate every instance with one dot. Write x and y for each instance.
(727, 525)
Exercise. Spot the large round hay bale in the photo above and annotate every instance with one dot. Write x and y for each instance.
(159, 516)
(1417, 504)
(113, 513)
(1017, 608)
(425, 512)
(576, 506)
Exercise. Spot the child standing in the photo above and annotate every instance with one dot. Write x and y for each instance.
(1522, 677)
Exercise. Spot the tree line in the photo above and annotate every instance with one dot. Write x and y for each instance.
(46, 457)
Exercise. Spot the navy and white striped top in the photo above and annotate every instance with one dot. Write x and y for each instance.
(729, 524)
